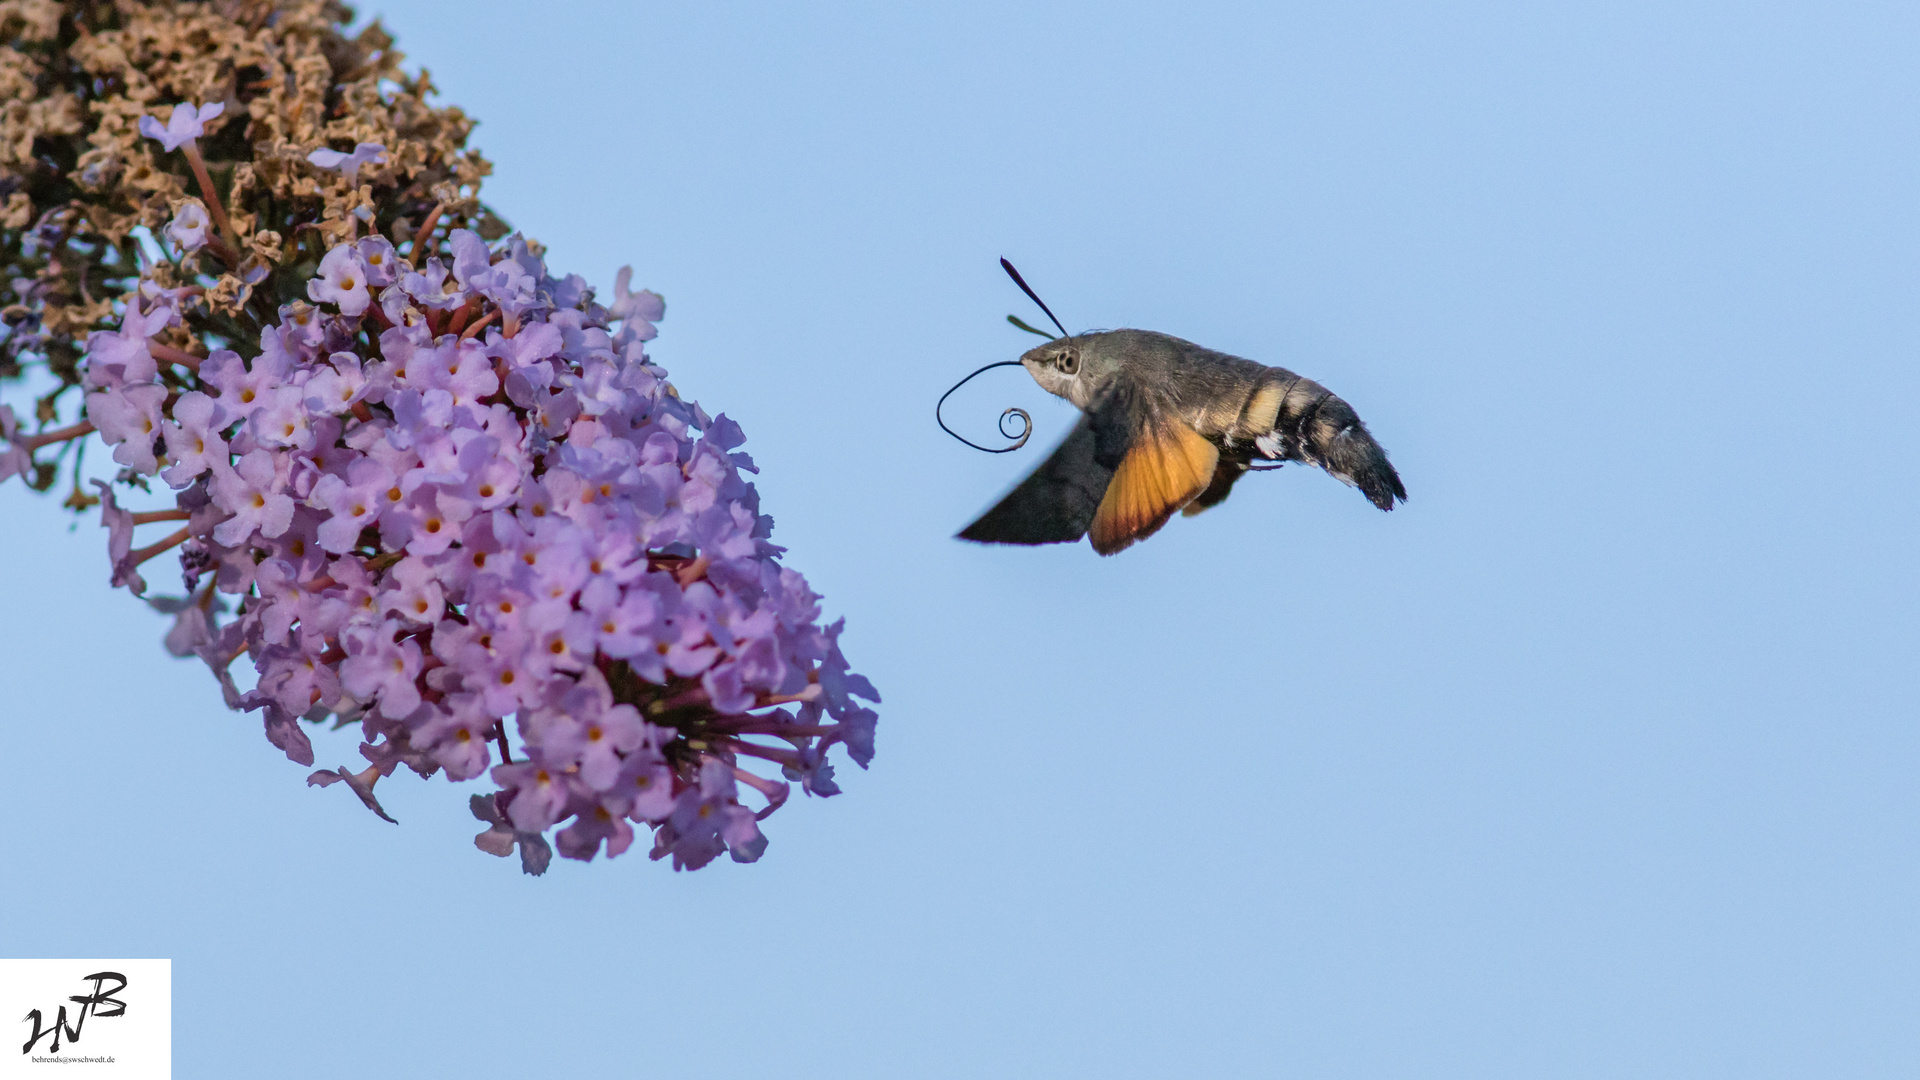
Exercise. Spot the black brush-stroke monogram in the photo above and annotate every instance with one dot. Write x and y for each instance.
(89, 1004)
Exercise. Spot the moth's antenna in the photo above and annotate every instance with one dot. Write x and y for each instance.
(1019, 440)
(1031, 295)
(1016, 320)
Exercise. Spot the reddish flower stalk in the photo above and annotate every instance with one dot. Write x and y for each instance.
(140, 555)
(425, 233)
(473, 330)
(148, 517)
(215, 207)
(171, 355)
(47, 438)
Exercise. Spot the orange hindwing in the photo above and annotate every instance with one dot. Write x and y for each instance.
(1168, 464)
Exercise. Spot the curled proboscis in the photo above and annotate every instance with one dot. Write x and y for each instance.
(1019, 438)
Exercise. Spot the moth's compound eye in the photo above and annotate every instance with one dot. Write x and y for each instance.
(1068, 362)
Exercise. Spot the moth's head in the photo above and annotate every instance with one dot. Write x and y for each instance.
(1075, 368)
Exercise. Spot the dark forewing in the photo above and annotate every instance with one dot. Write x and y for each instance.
(1054, 504)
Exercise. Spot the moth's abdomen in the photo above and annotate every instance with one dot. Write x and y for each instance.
(1292, 418)
(1230, 408)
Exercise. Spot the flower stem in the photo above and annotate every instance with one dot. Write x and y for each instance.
(782, 730)
(175, 356)
(147, 517)
(811, 692)
(140, 555)
(692, 571)
(76, 431)
(783, 757)
(475, 327)
(214, 205)
(457, 320)
(420, 241)
(774, 791)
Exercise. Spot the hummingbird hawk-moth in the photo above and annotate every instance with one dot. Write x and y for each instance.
(1166, 426)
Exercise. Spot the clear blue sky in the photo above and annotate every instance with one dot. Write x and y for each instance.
(1597, 759)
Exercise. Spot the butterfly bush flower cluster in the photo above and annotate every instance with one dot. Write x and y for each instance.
(448, 497)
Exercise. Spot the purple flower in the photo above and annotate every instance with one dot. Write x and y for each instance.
(640, 309)
(841, 685)
(814, 773)
(15, 458)
(128, 418)
(283, 731)
(192, 626)
(707, 820)
(360, 782)
(342, 281)
(119, 526)
(185, 123)
(296, 680)
(413, 592)
(603, 734)
(116, 357)
(252, 492)
(506, 283)
(563, 639)
(377, 252)
(354, 502)
(602, 818)
(193, 438)
(336, 389)
(501, 837)
(348, 165)
(471, 259)
(647, 781)
(538, 791)
(379, 666)
(189, 227)
(456, 735)
(280, 419)
(241, 387)
(431, 286)
(444, 537)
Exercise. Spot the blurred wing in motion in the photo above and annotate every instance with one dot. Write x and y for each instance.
(1055, 503)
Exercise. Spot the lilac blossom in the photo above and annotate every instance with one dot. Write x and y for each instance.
(190, 225)
(342, 281)
(14, 459)
(501, 837)
(186, 123)
(464, 539)
(379, 666)
(348, 165)
(640, 309)
(194, 442)
(119, 526)
(252, 492)
(116, 357)
(360, 782)
(128, 419)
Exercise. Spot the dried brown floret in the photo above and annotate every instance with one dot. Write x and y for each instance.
(79, 183)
